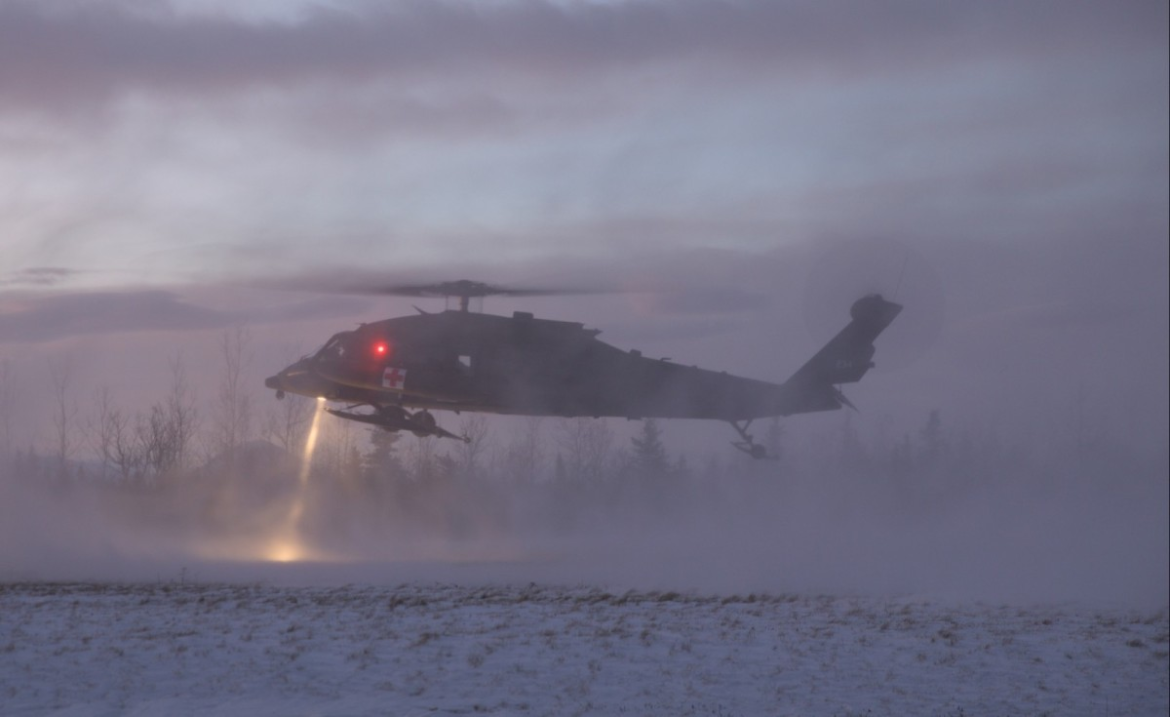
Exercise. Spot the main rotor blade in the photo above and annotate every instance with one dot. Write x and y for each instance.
(339, 283)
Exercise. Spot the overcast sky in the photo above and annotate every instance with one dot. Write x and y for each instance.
(720, 152)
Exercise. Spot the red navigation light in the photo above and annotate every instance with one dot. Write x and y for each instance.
(381, 349)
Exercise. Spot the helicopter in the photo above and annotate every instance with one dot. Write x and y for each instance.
(394, 373)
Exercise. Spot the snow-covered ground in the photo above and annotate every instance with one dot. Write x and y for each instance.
(174, 647)
(754, 594)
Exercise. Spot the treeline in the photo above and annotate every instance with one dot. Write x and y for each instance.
(231, 470)
(92, 436)
(178, 440)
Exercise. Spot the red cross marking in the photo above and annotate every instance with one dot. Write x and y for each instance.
(393, 378)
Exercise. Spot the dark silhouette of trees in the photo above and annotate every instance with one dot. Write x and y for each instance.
(774, 438)
(154, 445)
(648, 458)
(902, 457)
(933, 440)
(854, 456)
(105, 428)
(584, 448)
(7, 405)
(177, 423)
(381, 462)
(524, 457)
(367, 482)
(286, 423)
(471, 454)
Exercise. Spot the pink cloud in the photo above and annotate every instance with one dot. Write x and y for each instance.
(94, 52)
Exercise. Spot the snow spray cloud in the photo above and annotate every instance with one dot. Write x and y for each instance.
(284, 542)
(288, 546)
(1032, 516)
(420, 510)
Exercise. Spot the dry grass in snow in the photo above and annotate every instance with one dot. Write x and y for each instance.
(159, 649)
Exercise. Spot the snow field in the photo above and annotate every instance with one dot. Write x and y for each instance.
(167, 648)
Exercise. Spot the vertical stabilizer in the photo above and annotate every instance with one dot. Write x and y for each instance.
(845, 359)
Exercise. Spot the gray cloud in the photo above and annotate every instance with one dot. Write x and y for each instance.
(306, 310)
(37, 276)
(46, 317)
(96, 51)
(43, 318)
(654, 124)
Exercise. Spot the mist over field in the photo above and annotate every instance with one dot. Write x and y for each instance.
(987, 534)
(975, 468)
(569, 502)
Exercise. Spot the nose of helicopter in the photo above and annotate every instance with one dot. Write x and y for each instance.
(298, 379)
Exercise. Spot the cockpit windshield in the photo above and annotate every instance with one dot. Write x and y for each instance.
(337, 347)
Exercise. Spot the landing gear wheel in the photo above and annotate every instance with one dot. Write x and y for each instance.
(748, 445)
(425, 420)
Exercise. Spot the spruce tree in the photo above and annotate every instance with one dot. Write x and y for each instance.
(382, 461)
(649, 458)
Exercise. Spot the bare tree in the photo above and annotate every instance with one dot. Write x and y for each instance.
(584, 448)
(648, 458)
(105, 427)
(129, 458)
(155, 442)
(233, 416)
(383, 461)
(853, 455)
(7, 405)
(774, 438)
(285, 424)
(470, 453)
(934, 439)
(64, 410)
(523, 457)
(182, 418)
(286, 421)
(337, 451)
(112, 437)
(422, 461)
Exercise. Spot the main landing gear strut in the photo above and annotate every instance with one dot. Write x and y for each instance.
(396, 418)
(748, 445)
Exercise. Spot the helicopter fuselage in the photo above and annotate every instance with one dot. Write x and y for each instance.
(462, 361)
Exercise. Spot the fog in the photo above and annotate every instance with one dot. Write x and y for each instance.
(977, 466)
(735, 174)
(835, 519)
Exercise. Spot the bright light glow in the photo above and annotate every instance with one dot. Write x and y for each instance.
(380, 349)
(282, 552)
(288, 546)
